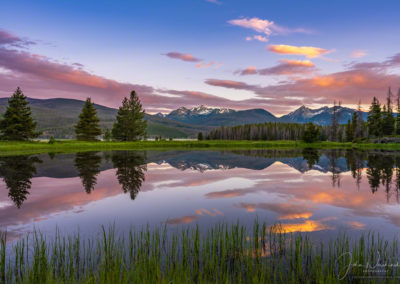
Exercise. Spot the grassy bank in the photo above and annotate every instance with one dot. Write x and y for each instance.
(15, 148)
(225, 254)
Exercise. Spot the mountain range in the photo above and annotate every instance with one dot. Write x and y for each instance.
(57, 117)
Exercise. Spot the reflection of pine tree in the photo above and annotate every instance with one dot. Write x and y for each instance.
(380, 170)
(387, 174)
(311, 155)
(354, 160)
(17, 173)
(87, 164)
(398, 179)
(333, 156)
(131, 168)
(374, 172)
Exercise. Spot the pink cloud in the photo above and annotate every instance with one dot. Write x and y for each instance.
(181, 56)
(361, 81)
(286, 67)
(358, 53)
(265, 27)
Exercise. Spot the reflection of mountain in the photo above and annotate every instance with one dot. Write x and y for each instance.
(254, 160)
(64, 165)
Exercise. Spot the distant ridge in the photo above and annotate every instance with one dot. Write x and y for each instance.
(57, 117)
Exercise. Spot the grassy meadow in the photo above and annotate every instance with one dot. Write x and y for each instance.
(35, 147)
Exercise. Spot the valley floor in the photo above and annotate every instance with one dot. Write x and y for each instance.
(20, 148)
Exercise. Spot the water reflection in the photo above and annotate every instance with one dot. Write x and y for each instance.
(131, 167)
(307, 190)
(17, 173)
(88, 166)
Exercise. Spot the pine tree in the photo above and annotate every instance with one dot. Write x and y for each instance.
(311, 133)
(359, 129)
(334, 125)
(87, 128)
(18, 123)
(200, 136)
(388, 121)
(398, 112)
(375, 118)
(107, 135)
(130, 124)
(349, 131)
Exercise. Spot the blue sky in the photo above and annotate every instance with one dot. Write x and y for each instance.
(123, 45)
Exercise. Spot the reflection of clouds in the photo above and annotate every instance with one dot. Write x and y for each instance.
(306, 226)
(214, 212)
(285, 211)
(182, 220)
(191, 218)
(356, 225)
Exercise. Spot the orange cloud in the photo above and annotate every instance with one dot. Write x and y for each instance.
(292, 62)
(308, 51)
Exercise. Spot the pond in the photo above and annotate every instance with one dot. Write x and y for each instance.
(321, 192)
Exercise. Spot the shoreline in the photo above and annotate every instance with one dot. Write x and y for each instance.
(36, 147)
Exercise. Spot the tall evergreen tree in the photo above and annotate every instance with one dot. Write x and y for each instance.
(130, 124)
(349, 131)
(359, 128)
(18, 123)
(87, 128)
(398, 114)
(334, 124)
(311, 133)
(375, 118)
(388, 121)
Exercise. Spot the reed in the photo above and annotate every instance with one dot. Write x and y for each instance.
(226, 253)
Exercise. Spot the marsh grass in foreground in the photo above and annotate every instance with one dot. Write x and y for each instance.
(225, 254)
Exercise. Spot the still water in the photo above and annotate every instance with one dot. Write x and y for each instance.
(322, 192)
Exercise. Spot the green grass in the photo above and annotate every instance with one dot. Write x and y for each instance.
(225, 254)
(18, 148)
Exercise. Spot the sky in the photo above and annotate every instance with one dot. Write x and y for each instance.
(275, 55)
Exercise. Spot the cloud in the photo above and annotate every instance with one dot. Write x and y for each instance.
(308, 51)
(358, 53)
(203, 65)
(251, 70)
(259, 25)
(360, 81)
(9, 39)
(257, 37)
(265, 27)
(229, 84)
(181, 56)
(286, 67)
(214, 2)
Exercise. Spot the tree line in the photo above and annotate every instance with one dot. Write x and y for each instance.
(18, 124)
(381, 121)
